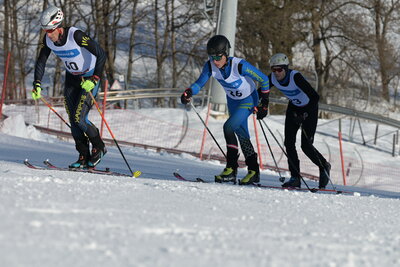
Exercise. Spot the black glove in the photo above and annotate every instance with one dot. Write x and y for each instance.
(262, 108)
(299, 117)
(262, 112)
(186, 96)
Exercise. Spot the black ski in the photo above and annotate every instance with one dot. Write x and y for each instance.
(314, 190)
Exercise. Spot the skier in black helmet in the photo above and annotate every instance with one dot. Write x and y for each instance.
(84, 61)
(301, 112)
(236, 76)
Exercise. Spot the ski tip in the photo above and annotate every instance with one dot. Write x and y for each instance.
(136, 174)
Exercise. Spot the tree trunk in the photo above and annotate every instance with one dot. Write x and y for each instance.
(173, 102)
(316, 48)
(131, 51)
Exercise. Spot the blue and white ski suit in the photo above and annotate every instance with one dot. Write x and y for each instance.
(237, 78)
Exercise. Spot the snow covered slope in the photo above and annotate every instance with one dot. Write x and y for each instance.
(56, 218)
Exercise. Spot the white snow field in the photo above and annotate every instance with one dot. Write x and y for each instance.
(62, 218)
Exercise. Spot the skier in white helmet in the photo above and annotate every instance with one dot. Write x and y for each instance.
(301, 112)
(84, 61)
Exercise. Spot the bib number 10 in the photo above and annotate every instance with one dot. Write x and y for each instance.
(71, 65)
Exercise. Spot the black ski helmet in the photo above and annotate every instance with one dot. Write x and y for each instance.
(217, 45)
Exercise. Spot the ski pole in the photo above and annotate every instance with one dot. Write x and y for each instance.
(207, 129)
(289, 159)
(55, 112)
(134, 174)
(281, 179)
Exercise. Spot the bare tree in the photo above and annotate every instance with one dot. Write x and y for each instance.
(137, 16)
(385, 17)
(266, 27)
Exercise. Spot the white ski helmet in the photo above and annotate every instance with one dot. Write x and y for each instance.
(278, 60)
(51, 18)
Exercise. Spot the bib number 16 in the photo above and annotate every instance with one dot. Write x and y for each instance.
(235, 93)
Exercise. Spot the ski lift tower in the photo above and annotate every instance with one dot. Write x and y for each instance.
(226, 26)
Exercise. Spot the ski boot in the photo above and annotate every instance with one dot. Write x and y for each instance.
(97, 155)
(82, 146)
(324, 175)
(293, 182)
(81, 163)
(252, 177)
(228, 175)
(253, 174)
(98, 150)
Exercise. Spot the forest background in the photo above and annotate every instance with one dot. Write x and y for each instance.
(348, 49)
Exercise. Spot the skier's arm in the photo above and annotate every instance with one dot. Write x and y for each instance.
(263, 92)
(202, 80)
(41, 60)
(306, 87)
(93, 47)
(254, 73)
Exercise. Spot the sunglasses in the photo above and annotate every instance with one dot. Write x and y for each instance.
(216, 58)
(277, 69)
(50, 31)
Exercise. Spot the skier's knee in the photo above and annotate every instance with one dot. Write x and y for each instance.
(83, 125)
(228, 130)
(306, 148)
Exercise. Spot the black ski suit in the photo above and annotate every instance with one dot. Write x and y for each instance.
(77, 101)
(299, 115)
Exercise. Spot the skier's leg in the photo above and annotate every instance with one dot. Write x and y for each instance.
(238, 124)
(81, 118)
(309, 127)
(71, 97)
(291, 128)
(232, 155)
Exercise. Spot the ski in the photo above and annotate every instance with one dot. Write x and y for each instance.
(181, 178)
(313, 190)
(30, 165)
(50, 166)
(106, 171)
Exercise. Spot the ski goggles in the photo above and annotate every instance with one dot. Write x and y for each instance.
(277, 69)
(216, 57)
(50, 31)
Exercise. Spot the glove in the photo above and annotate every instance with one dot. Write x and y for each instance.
(90, 83)
(186, 96)
(299, 117)
(262, 108)
(36, 90)
(262, 111)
